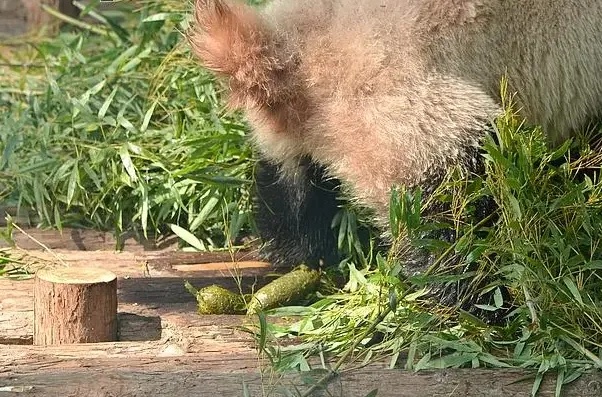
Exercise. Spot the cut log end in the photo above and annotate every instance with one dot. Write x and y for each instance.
(75, 275)
(74, 305)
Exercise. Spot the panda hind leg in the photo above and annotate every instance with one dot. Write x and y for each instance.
(293, 215)
(464, 293)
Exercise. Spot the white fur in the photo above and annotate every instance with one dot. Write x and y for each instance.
(385, 92)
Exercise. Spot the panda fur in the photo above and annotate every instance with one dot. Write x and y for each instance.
(294, 214)
(378, 93)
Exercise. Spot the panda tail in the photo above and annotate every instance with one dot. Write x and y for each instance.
(232, 40)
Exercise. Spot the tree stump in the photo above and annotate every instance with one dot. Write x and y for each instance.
(74, 305)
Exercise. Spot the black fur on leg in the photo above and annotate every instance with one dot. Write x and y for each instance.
(462, 293)
(293, 215)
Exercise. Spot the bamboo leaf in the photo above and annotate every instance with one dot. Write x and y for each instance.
(187, 237)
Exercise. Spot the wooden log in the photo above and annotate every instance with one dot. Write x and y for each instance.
(74, 305)
(211, 376)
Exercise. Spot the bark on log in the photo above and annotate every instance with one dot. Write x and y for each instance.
(196, 376)
(74, 305)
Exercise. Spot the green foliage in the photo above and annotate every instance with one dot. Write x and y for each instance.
(120, 129)
(542, 244)
(13, 263)
(11, 266)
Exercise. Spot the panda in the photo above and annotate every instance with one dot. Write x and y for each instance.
(372, 94)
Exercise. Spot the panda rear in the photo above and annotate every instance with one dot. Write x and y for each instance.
(389, 92)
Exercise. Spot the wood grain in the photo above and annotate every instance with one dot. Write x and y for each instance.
(74, 305)
(166, 349)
